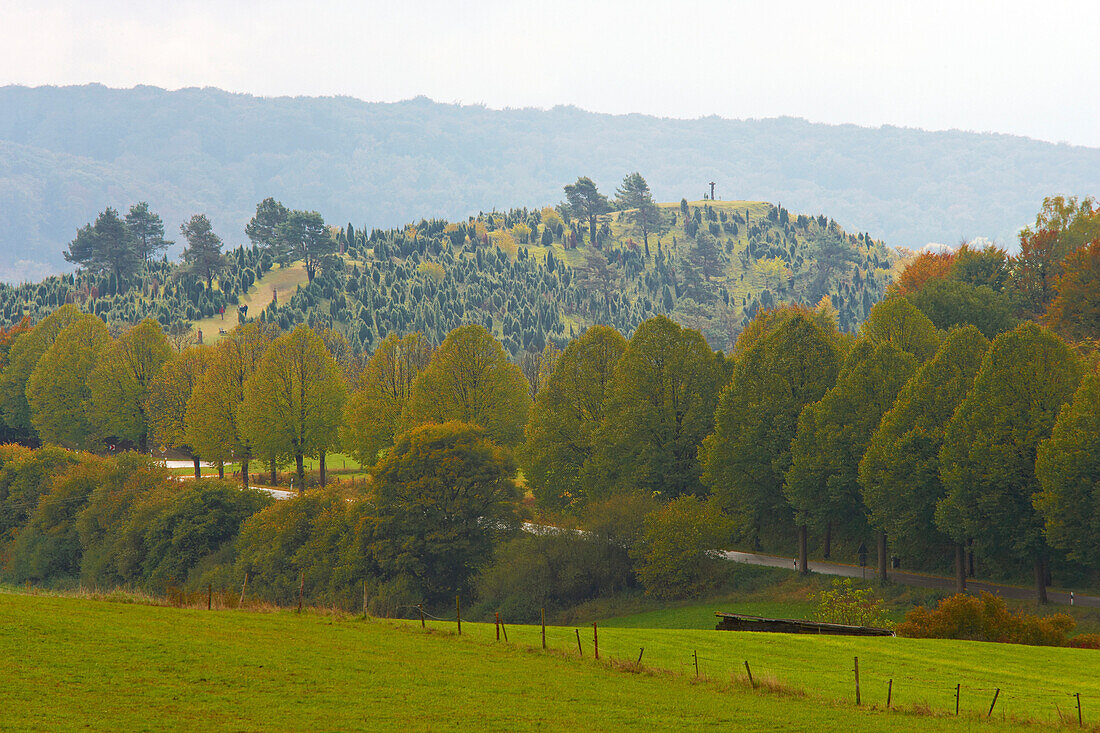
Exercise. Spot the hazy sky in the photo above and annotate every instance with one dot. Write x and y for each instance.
(1025, 68)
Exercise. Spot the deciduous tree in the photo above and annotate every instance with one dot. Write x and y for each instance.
(22, 359)
(445, 496)
(214, 424)
(900, 472)
(987, 463)
(660, 407)
(822, 483)
(57, 390)
(169, 393)
(471, 380)
(1075, 311)
(372, 416)
(118, 386)
(1068, 469)
(294, 401)
(746, 457)
(561, 433)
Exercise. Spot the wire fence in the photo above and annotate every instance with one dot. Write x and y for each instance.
(880, 684)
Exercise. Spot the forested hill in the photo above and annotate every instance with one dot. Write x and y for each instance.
(65, 153)
(529, 276)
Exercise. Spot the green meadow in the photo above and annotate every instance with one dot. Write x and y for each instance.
(78, 663)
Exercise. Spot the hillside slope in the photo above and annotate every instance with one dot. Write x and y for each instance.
(68, 152)
(525, 275)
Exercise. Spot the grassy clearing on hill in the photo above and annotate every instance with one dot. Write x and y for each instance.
(78, 663)
(284, 279)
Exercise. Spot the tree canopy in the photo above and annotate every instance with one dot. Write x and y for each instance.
(470, 379)
(660, 406)
(748, 454)
(568, 411)
(373, 412)
(987, 463)
(294, 401)
(900, 472)
(58, 392)
(119, 384)
(444, 495)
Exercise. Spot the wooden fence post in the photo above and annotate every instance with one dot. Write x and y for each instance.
(420, 607)
(458, 615)
(1080, 721)
(243, 588)
(995, 694)
(889, 691)
(364, 599)
(579, 650)
(958, 688)
(748, 671)
(595, 640)
(209, 596)
(695, 657)
(857, 679)
(640, 653)
(544, 627)
(498, 625)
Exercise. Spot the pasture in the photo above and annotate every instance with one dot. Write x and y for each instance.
(77, 663)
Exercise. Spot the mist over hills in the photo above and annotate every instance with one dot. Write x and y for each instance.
(67, 152)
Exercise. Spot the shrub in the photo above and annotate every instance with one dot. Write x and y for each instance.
(1085, 641)
(985, 618)
(679, 548)
(846, 604)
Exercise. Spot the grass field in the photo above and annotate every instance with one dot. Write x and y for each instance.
(79, 663)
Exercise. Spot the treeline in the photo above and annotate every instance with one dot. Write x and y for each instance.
(945, 442)
(529, 276)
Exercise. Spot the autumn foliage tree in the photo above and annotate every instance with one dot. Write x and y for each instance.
(294, 401)
(119, 384)
(471, 380)
(1075, 310)
(372, 416)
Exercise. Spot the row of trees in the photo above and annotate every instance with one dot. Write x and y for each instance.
(441, 500)
(937, 439)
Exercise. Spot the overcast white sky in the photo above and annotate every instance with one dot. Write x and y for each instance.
(1026, 68)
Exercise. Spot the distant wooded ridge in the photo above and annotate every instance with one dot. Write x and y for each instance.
(67, 152)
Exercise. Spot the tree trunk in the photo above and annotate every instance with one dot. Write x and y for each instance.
(803, 555)
(321, 467)
(244, 472)
(300, 464)
(1040, 580)
(274, 478)
(882, 573)
(960, 569)
(828, 539)
(592, 230)
(970, 559)
(221, 469)
(198, 468)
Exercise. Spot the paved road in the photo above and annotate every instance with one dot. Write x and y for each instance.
(909, 578)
